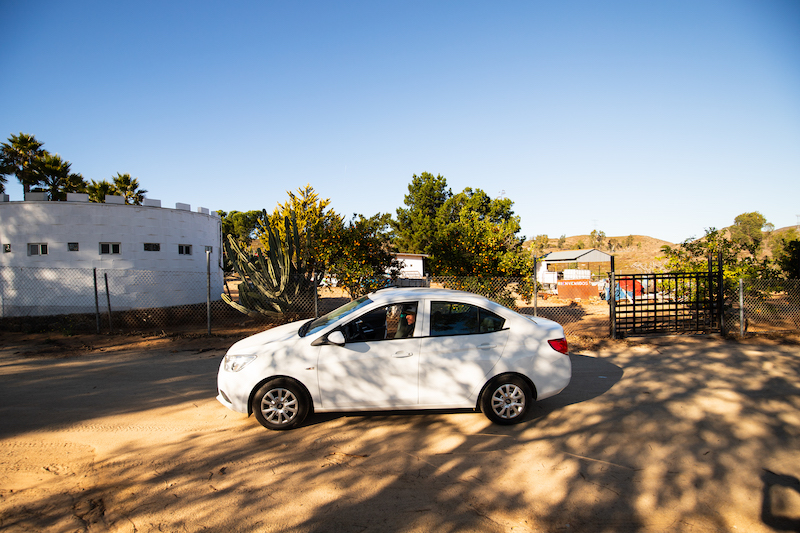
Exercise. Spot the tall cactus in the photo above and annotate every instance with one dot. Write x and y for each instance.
(275, 285)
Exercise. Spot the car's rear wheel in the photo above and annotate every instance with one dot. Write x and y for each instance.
(281, 403)
(506, 400)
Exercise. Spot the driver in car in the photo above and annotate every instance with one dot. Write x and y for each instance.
(408, 318)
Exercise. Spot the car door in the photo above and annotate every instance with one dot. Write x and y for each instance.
(464, 342)
(378, 366)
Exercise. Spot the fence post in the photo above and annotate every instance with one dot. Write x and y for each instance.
(721, 294)
(741, 307)
(108, 301)
(612, 301)
(96, 301)
(208, 290)
(535, 288)
(316, 297)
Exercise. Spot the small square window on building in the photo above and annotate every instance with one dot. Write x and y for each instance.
(109, 248)
(37, 249)
(6, 248)
(152, 247)
(185, 249)
(73, 246)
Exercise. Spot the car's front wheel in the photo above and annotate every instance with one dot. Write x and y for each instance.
(281, 403)
(506, 400)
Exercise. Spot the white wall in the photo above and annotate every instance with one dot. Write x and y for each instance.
(178, 279)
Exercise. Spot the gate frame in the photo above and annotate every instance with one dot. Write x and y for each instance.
(713, 304)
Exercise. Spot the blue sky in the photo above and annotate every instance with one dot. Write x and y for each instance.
(654, 118)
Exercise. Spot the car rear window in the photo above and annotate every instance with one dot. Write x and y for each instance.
(454, 318)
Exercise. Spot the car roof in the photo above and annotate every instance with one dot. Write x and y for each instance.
(394, 294)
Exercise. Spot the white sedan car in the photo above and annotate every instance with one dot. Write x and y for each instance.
(398, 349)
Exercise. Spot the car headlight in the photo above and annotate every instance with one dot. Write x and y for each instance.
(234, 363)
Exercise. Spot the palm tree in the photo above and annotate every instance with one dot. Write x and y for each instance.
(98, 190)
(54, 176)
(17, 158)
(129, 188)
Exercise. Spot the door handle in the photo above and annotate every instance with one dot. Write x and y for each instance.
(401, 355)
(487, 346)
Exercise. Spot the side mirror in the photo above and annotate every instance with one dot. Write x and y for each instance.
(336, 337)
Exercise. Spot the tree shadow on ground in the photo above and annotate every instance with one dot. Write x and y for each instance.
(680, 444)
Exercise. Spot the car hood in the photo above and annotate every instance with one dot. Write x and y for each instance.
(252, 344)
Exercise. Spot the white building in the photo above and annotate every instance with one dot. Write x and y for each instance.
(153, 256)
(412, 265)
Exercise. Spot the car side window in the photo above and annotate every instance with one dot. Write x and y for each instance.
(393, 321)
(453, 318)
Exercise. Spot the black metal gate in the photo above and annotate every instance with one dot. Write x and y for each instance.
(666, 303)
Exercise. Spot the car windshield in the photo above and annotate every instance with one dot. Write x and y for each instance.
(322, 322)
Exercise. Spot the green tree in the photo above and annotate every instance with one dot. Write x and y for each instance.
(692, 256)
(241, 224)
(746, 231)
(416, 224)
(128, 187)
(315, 221)
(778, 243)
(789, 260)
(54, 177)
(17, 158)
(477, 236)
(359, 254)
(466, 234)
(562, 241)
(98, 190)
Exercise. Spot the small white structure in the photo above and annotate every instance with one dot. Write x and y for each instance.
(551, 279)
(413, 265)
(157, 256)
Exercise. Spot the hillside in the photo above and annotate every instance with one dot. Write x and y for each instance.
(643, 255)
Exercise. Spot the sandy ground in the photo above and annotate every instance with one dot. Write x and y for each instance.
(691, 434)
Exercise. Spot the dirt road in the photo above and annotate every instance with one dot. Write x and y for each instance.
(677, 434)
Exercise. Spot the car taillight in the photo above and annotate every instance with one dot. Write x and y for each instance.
(559, 345)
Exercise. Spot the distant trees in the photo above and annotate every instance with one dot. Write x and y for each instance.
(241, 224)
(24, 157)
(540, 242)
(53, 176)
(18, 157)
(746, 231)
(597, 238)
(738, 249)
(128, 188)
(789, 259)
(98, 190)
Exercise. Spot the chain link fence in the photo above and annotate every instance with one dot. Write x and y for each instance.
(85, 300)
(765, 306)
(585, 317)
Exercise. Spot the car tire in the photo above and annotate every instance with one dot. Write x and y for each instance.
(281, 403)
(506, 400)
